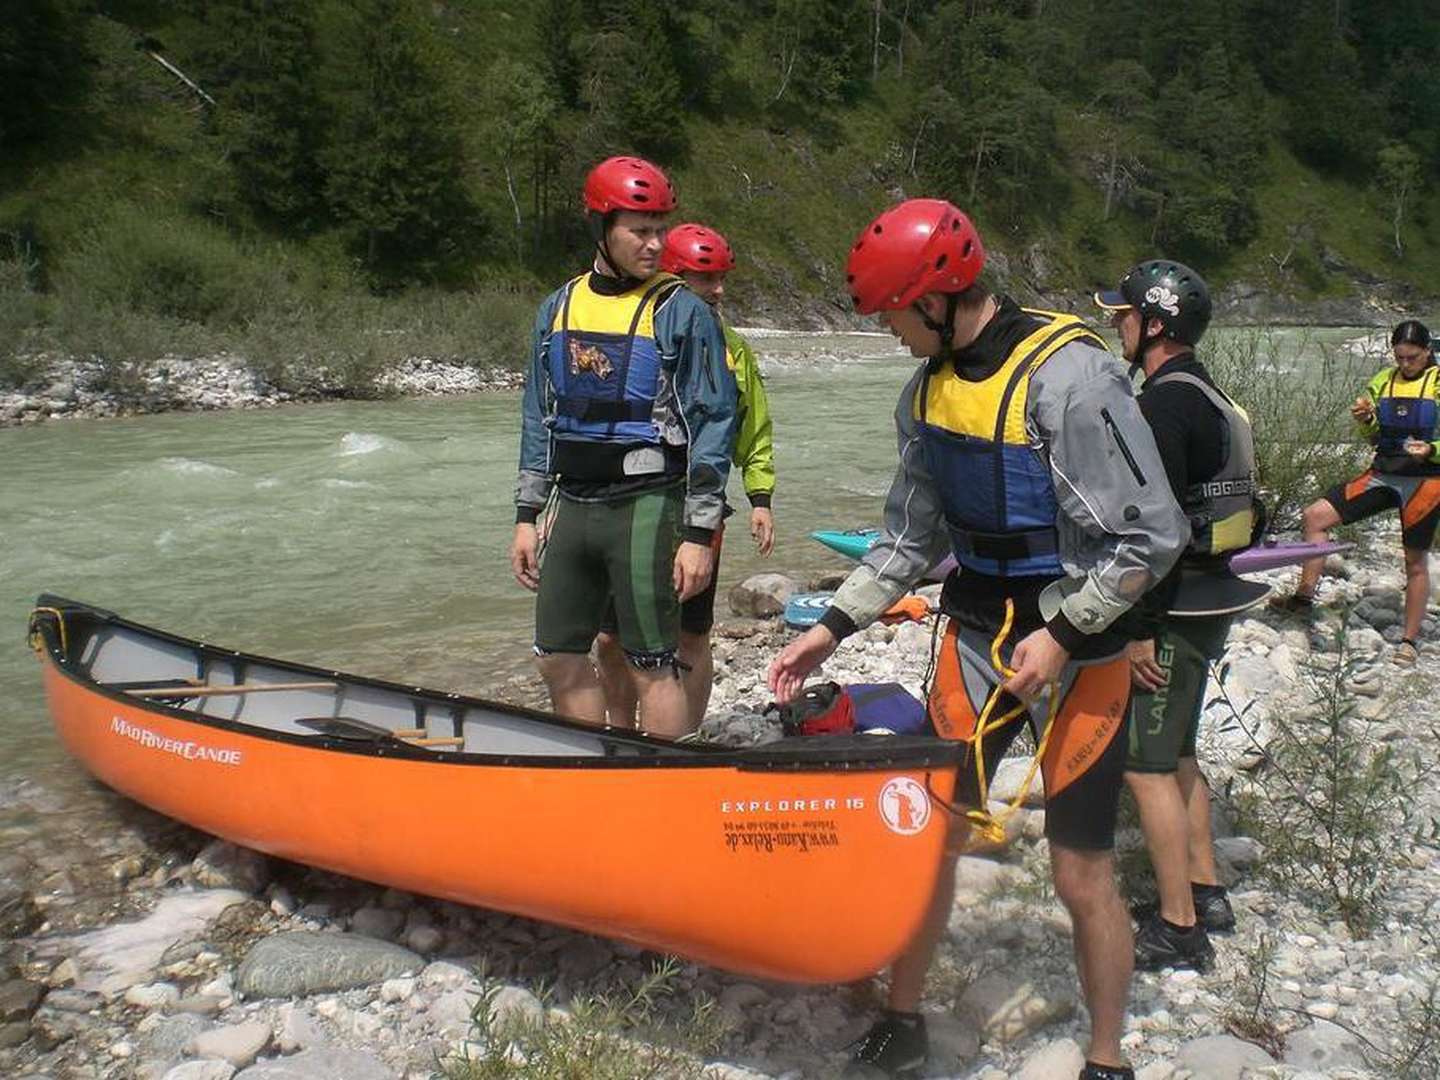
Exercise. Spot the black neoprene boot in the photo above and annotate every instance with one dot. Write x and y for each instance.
(1212, 908)
(1159, 944)
(895, 1046)
(1091, 1071)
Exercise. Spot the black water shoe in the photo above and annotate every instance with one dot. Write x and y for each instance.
(1293, 604)
(1160, 944)
(1091, 1071)
(896, 1046)
(1212, 908)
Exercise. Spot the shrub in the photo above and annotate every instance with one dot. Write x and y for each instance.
(602, 1038)
(1298, 397)
(1335, 802)
(23, 313)
(175, 267)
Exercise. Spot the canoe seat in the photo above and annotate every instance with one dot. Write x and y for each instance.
(350, 727)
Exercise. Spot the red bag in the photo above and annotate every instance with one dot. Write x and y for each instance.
(822, 709)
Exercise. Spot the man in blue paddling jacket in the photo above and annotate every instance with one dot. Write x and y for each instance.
(1160, 310)
(1022, 450)
(629, 411)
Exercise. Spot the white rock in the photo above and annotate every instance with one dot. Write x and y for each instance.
(239, 1044)
(210, 1069)
(152, 995)
(1063, 1058)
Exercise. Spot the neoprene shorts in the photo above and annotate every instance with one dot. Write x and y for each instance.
(623, 548)
(1164, 723)
(1371, 493)
(697, 615)
(1084, 762)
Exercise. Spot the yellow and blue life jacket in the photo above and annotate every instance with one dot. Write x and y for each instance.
(1404, 409)
(994, 482)
(604, 362)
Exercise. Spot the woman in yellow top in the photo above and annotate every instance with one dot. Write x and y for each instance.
(702, 257)
(1398, 414)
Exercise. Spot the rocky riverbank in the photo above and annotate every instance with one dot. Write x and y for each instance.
(73, 388)
(66, 388)
(134, 947)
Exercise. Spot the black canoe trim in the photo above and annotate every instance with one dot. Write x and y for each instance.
(843, 753)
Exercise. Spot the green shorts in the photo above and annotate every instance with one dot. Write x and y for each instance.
(625, 548)
(1164, 723)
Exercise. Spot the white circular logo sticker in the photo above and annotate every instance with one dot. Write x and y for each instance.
(904, 806)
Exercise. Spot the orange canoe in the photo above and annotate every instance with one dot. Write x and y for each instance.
(809, 860)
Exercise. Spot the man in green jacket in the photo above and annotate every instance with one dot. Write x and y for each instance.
(702, 257)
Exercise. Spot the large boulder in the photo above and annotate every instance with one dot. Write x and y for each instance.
(302, 962)
(762, 595)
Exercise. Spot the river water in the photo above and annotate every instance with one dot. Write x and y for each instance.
(372, 536)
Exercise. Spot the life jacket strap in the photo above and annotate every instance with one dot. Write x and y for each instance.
(1008, 545)
(583, 408)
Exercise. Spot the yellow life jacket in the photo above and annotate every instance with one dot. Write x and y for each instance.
(994, 484)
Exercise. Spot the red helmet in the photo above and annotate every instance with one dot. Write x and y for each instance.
(920, 246)
(695, 247)
(628, 183)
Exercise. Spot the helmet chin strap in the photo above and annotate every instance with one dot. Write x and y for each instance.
(600, 229)
(1146, 341)
(945, 329)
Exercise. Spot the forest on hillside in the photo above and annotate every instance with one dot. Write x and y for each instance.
(214, 163)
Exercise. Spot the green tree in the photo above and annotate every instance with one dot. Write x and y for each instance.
(394, 153)
(1330, 116)
(521, 114)
(632, 89)
(821, 52)
(259, 57)
(1399, 175)
(43, 66)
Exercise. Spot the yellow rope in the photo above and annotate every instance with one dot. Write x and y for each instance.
(34, 636)
(992, 826)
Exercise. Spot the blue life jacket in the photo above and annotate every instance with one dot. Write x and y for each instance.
(1409, 414)
(604, 362)
(994, 483)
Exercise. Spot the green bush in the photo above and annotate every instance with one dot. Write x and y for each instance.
(176, 267)
(601, 1037)
(23, 313)
(1298, 396)
(1334, 806)
(342, 344)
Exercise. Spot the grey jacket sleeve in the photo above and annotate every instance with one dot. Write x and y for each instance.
(1120, 527)
(912, 539)
(532, 486)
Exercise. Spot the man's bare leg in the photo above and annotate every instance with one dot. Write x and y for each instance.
(574, 687)
(617, 679)
(1104, 946)
(907, 974)
(700, 678)
(1196, 794)
(663, 708)
(1166, 823)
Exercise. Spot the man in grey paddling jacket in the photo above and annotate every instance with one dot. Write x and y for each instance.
(1160, 311)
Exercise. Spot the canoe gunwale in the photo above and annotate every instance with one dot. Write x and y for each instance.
(859, 753)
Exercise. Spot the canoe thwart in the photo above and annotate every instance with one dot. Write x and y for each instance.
(220, 691)
(346, 727)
